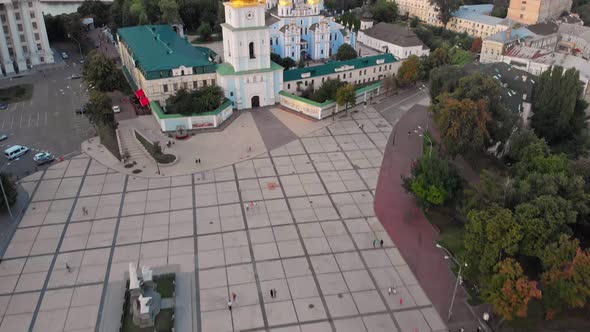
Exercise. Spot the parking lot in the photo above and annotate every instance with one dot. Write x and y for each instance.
(46, 122)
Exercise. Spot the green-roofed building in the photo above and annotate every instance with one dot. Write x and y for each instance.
(159, 61)
(358, 71)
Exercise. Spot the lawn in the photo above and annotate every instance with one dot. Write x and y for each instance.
(16, 93)
(165, 285)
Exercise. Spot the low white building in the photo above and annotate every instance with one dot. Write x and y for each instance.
(392, 38)
(360, 71)
(160, 62)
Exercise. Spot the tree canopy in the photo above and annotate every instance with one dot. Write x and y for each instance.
(346, 95)
(346, 52)
(204, 99)
(410, 71)
(327, 91)
(446, 8)
(384, 11)
(102, 72)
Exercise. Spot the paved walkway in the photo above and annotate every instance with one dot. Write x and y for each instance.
(298, 219)
(407, 225)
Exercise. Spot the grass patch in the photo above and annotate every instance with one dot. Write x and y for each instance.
(16, 93)
(165, 285)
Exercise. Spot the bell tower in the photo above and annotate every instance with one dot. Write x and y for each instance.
(245, 35)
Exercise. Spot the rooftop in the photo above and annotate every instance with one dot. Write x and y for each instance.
(394, 34)
(159, 47)
(477, 13)
(518, 84)
(512, 35)
(544, 29)
(337, 66)
(550, 58)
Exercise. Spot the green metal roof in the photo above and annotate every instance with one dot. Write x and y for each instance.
(157, 48)
(333, 66)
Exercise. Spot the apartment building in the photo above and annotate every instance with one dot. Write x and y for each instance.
(534, 11)
(392, 38)
(422, 9)
(476, 21)
(23, 38)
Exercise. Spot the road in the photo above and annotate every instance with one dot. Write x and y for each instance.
(46, 122)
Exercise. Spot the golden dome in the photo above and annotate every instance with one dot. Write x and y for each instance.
(285, 2)
(313, 2)
(245, 3)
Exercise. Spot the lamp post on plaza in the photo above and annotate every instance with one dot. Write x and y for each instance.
(459, 277)
(422, 133)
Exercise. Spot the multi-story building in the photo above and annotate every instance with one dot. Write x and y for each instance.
(535, 11)
(476, 21)
(391, 38)
(356, 71)
(422, 9)
(158, 61)
(298, 29)
(23, 38)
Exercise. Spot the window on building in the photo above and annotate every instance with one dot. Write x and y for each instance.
(195, 84)
(34, 24)
(17, 16)
(231, 93)
(251, 48)
(305, 82)
(42, 59)
(213, 82)
(32, 14)
(22, 38)
(323, 78)
(350, 75)
(288, 86)
(39, 47)
(292, 54)
(165, 87)
(175, 86)
(271, 42)
(37, 36)
(20, 27)
(5, 28)
(182, 73)
(3, 18)
(30, 4)
(204, 82)
(185, 85)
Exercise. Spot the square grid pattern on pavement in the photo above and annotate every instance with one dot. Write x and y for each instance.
(298, 220)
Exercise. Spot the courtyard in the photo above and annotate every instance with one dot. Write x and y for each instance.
(298, 218)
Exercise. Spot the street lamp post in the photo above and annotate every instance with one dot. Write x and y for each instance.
(79, 46)
(422, 133)
(459, 277)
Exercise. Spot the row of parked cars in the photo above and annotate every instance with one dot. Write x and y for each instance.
(16, 151)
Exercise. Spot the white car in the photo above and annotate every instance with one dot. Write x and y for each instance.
(15, 151)
(65, 55)
(43, 157)
(116, 109)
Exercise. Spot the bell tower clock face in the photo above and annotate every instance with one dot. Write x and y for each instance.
(249, 15)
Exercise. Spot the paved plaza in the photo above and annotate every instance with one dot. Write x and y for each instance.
(298, 219)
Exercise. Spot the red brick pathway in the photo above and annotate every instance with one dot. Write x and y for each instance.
(409, 228)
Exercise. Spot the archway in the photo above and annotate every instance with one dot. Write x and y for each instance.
(255, 101)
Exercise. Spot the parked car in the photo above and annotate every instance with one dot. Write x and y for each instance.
(3, 106)
(15, 151)
(3, 137)
(43, 158)
(76, 76)
(65, 55)
(80, 110)
(116, 109)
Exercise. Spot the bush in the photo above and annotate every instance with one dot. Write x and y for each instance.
(204, 99)
(155, 150)
(327, 91)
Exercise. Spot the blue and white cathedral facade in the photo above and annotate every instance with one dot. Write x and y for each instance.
(299, 28)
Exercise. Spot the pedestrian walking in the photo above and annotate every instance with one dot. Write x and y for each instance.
(234, 296)
(401, 301)
(229, 304)
(196, 161)
(249, 149)
(272, 293)
(381, 243)
(68, 267)
(374, 243)
(389, 291)
(409, 133)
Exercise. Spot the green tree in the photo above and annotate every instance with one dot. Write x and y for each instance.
(390, 83)
(288, 63)
(204, 31)
(446, 8)
(543, 220)
(462, 124)
(346, 95)
(327, 91)
(444, 79)
(491, 235)
(204, 99)
(169, 9)
(102, 72)
(476, 45)
(10, 190)
(566, 282)
(99, 109)
(384, 11)
(346, 52)
(519, 141)
(490, 190)
(410, 71)
(510, 291)
(98, 10)
(414, 22)
(138, 11)
(433, 181)
(554, 104)
(459, 56)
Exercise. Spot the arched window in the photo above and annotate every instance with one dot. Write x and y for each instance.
(251, 47)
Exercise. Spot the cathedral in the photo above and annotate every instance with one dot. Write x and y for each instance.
(299, 29)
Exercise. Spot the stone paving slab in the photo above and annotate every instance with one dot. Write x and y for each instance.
(298, 220)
